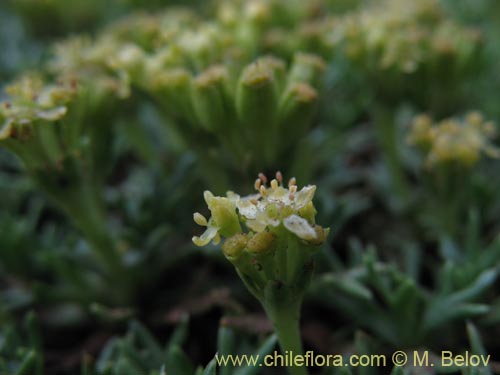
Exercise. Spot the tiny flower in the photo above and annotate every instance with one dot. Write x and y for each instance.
(224, 220)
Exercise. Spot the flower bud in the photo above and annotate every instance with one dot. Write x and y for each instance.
(173, 88)
(234, 246)
(307, 68)
(297, 108)
(261, 242)
(211, 98)
(257, 96)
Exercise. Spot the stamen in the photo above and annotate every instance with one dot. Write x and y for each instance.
(257, 184)
(291, 196)
(292, 182)
(279, 177)
(293, 189)
(274, 184)
(200, 219)
(263, 178)
(254, 201)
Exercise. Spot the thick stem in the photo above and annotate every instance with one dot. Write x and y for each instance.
(286, 319)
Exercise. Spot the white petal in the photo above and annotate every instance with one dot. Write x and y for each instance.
(247, 209)
(52, 114)
(300, 227)
(207, 236)
(233, 197)
(304, 196)
(207, 195)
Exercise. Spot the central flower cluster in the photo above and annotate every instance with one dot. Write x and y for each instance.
(273, 207)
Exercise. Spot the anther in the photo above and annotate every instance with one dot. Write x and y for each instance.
(200, 219)
(274, 184)
(263, 178)
(292, 182)
(279, 177)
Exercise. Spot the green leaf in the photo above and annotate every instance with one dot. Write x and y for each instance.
(28, 364)
(211, 368)
(264, 350)
(178, 363)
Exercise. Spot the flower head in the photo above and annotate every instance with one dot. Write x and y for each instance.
(32, 100)
(273, 206)
(461, 141)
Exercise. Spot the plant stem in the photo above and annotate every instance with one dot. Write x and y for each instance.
(285, 319)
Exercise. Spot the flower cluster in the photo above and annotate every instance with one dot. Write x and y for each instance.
(79, 58)
(401, 45)
(269, 236)
(29, 117)
(208, 85)
(403, 36)
(244, 109)
(274, 26)
(460, 141)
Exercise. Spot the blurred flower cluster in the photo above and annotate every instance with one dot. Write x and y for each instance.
(461, 141)
(405, 48)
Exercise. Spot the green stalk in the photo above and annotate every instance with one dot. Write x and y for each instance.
(285, 318)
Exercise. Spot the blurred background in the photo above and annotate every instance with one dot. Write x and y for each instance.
(98, 274)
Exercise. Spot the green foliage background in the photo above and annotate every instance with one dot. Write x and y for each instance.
(412, 261)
